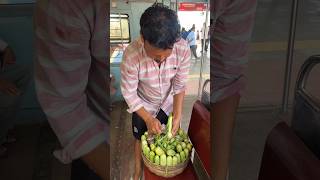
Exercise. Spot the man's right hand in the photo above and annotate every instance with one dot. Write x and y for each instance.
(9, 88)
(153, 125)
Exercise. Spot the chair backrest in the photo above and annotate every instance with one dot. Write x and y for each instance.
(285, 156)
(306, 113)
(205, 95)
(199, 133)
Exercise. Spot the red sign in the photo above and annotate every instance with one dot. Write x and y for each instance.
(189, 6)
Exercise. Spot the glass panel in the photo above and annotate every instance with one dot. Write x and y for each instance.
(312, 85)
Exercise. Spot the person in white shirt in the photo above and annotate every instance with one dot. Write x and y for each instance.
(204, 36)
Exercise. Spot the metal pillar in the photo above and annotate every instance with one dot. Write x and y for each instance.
(287, 79)
(202, 58)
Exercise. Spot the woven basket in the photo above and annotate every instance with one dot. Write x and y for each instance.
(167, 171)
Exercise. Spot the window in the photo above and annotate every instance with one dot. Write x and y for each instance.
(119, 36)
(119, 28)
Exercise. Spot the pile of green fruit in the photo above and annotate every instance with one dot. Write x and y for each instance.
(166, 150)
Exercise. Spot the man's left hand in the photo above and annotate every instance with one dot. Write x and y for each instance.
(175, 124)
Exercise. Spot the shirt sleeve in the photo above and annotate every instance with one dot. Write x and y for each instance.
(129, 83)
(231, 36)
(181, 77)
(3, 45)
(62, 67)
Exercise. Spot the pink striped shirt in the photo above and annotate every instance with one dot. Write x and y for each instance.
(145, 84)
(233, 22)
(71, 72)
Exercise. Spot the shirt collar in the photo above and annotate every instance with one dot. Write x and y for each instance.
(143, 51)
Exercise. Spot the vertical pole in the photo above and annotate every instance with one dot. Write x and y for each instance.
(177, 4)
(202, 58)
(287, 79)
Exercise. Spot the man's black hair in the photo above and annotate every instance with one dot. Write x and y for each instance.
(159, 26)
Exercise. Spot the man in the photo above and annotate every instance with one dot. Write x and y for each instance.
(14, 80)
(154, 71)
(191, 38)
(71, 75)
(204, 37)
(233, 22)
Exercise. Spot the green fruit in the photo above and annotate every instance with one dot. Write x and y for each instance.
(179, 148)
(152, 147)
(169, 161)
(169, 126)
(147, 151)
(157, 160)
(180, 132)
(151, 156)
(182, 156)
(186, 151)
(144, 148)
(146, 133)
(171, 152)
(189, 146)
(184, 145)
(143, 137)
(163, 160)
(177, 137)
(174, 160)
(178, 158)
(152, 153)
(159, 151)
(144, 142)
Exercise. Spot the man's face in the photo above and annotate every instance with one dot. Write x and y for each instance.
(155, 53)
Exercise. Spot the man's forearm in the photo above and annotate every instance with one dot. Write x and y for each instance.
(144, 114)
(178, 103)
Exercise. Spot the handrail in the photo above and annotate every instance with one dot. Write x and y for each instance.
(287, 79)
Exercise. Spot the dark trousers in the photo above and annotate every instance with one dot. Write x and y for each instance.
(205, 44)
(80, 171)
(139, 126)
(194, 50)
